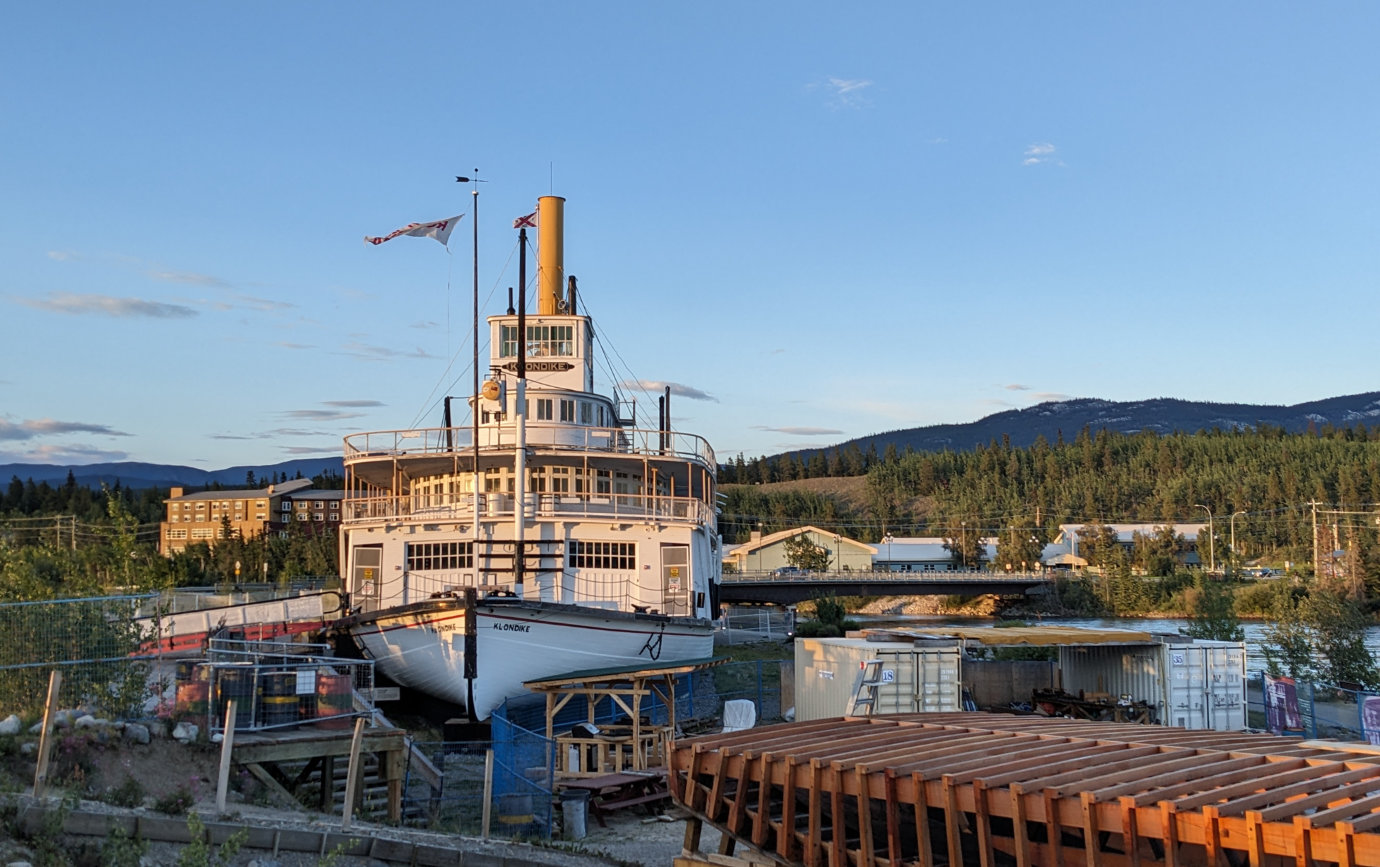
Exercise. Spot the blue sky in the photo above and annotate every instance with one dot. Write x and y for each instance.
(813, 221)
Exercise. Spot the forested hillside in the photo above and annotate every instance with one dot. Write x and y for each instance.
(1261, 484)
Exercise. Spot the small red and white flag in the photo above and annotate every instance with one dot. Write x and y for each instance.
(527, 222)
(440, 230)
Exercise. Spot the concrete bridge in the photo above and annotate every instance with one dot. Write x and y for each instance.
(776, 589)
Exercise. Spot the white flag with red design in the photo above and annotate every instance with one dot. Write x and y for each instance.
(440, 230)
(527, 222)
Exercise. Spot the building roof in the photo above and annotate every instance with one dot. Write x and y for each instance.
(247, 493)
(782, 535)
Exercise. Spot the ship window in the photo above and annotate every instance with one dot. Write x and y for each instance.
(603, 482)
(544, 409)
(586, 412)
(439, 555)
(536, 481)
(567, 410)
(560, 480)
(603, 555)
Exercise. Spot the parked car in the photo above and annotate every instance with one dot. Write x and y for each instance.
(790, 571)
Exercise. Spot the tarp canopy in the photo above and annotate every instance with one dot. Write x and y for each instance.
(1042, 636)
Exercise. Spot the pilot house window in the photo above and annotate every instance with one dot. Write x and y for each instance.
(542, 340)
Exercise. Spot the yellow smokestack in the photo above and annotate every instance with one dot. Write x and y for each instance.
(550, 253)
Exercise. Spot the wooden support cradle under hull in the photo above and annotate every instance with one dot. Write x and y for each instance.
(989, 789)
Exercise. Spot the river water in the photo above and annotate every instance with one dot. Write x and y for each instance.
(1255, 660)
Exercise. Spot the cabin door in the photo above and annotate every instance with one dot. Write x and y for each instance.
(366, 575)
(675, 580)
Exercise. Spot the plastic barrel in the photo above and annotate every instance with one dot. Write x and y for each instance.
(334, 698)
(235, 683)
(278, 698)
(193, 691)
(515, 809)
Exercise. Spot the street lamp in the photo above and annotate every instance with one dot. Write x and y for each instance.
(1233, 535)
(838, 554)
(1212, 554)
(887, 539)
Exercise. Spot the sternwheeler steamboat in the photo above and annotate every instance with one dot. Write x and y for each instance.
(551, 535)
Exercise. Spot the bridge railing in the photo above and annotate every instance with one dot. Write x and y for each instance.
(881, 575)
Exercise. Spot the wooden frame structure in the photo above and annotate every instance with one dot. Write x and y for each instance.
(633, 746)
(989, 789)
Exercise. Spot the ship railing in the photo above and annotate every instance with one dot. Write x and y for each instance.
(426, 442)
(611, 590)
(444, 507)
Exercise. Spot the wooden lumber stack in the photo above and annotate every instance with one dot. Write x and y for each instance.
(931, 789)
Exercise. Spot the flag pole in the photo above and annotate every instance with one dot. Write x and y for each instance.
(474, 399)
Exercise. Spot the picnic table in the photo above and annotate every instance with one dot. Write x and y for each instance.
(618, 791)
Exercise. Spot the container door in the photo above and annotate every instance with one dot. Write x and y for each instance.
(675, 580)
(1187, 675)
(1226, 683)
(1207, 686)
(366, 576)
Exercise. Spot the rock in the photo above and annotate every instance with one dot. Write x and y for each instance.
(264, 862)
(36, 728)
(137, 733)
(185, 732)
(28, 748)
(86, 721)
(11, 725)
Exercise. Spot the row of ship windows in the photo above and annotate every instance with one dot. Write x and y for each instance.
(423, 556)
(540, 480)
(595, 414)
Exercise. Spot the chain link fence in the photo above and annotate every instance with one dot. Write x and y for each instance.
(94, 642)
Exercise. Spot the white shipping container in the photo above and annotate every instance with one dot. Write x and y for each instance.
(914, 679)
(1191, 684)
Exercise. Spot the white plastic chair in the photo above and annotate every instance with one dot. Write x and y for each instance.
(739, 714)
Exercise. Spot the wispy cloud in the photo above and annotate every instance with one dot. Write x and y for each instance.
(367, 352)
(309, 450)
(844, 92)
(677, 390)
(1015, 386)
(27, 430)
(801, 431)
(1051, 395)
(285, 345)
(188, 278)
(106, 305)
(1040, 153)
(263, 305)
(355, 404)
(60, 454)
(318, 414)
(63, 255)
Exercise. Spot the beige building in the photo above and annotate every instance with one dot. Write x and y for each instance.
(768, 553)
(208, 515)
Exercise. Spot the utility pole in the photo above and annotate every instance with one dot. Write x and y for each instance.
(1314, 504)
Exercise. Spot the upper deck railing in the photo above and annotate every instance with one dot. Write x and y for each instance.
(459, 441)
(460, 506)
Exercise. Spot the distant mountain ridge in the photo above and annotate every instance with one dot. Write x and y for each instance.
(1163, 415)
(133, 474)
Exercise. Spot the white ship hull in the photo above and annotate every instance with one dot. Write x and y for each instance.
(422, 646)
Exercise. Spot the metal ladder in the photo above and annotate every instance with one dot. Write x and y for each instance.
(864, 699)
